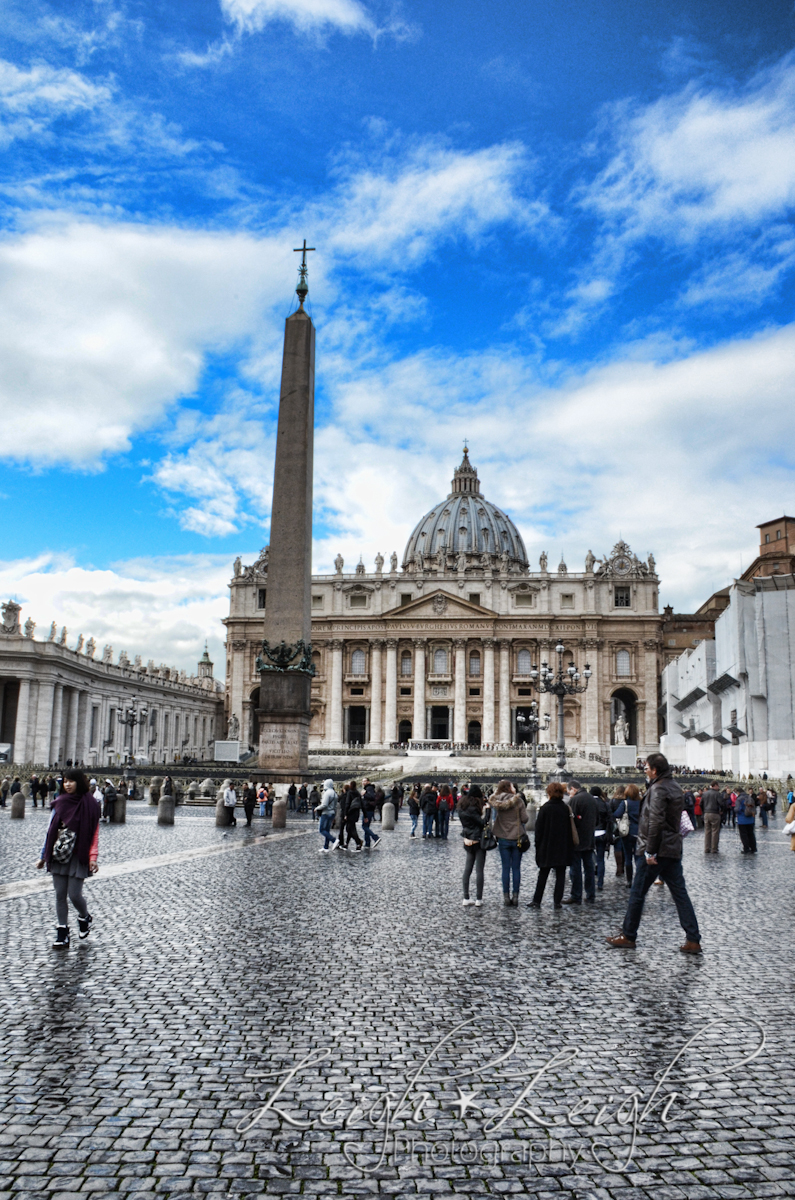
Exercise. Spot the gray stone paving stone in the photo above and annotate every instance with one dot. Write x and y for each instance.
(130, 1060)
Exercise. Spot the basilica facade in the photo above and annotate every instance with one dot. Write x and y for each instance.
(440, 646)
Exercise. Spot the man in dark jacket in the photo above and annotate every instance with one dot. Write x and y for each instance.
(369, 808)
(710, 807)
(659, 849)
(584, 809)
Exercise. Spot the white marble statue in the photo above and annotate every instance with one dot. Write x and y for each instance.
(621, 731)
(393, 562)
(543, 561)
(237, 566)
(379, 563)
(53, 631)
(652, 565)
(107, 654)
(590, 559)
(62, 638)
(79, 645)
(30, 625)
(339, 563)
(91, 647)
(233, 729)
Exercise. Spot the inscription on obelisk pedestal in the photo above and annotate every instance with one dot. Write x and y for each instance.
(286, 661)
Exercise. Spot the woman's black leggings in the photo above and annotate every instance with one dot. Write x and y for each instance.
(541, 883)
(476, 857)
(73, 887)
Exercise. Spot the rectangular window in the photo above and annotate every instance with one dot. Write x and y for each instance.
(261, 597)
(567, 600)
(525, 691)
(405, 598)
(621, 597)
(111, 726)
(474, 691)
(474, 598)
(317, 601)
(358, 601)
(524, 599)
(357, 691)
(405, 691)
(767, 538)
(94, 723)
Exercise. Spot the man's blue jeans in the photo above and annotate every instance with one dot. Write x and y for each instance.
(444, 820)
(427, 824)
(669, 869)
(368, 836)
(582, 863)
(326, 821)
(600, 847)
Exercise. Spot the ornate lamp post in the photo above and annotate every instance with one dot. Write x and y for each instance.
(131, 717)
(532, 724)
(561, 683)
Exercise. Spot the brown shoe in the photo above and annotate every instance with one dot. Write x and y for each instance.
(620, 942)
(691, 948)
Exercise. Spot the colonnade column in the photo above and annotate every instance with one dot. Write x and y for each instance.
(335, 738)
(43, 734)
(505, 690)
(21, 730)
(376, 735)
(57, 717)
(460, 714)
(70, 746)
(390, 708)
(487, 733)
(418, 724)
(81, 741)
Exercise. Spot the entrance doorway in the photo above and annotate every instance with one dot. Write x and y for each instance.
(440, 723)
(523, 733)
(357, 725)
(404, 732)
(624, 703)
(473, 733)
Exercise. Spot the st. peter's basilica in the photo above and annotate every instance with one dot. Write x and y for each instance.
(441, 647)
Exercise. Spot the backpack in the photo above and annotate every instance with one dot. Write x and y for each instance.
(749, 808)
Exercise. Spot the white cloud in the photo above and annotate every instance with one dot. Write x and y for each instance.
(348, 16)
(31, 100)
(162, 609)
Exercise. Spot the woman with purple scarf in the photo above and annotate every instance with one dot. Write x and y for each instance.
(70, 852)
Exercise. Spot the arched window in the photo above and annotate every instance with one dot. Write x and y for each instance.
(474, 663)
(524, 662)
(440, 661)
(405, 663)
(623, 662)
(358, 662)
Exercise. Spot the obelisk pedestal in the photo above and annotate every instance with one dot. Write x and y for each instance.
(285, 663)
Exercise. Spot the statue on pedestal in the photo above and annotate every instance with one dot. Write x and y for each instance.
(339, 563)
(543, 561)
(379, 563)
(233, 730)
(393, 562)
(590, 559)
(621, 731)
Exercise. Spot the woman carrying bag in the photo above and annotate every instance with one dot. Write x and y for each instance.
(510, 818)
(554, 834)
(473, 814)
(70, 852)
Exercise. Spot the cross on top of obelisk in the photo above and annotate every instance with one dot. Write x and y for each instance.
(303, 287)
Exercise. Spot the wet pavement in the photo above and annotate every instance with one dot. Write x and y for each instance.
(271, 1020)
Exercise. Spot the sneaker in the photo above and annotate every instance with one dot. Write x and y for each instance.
(619, 942)
(377, 843)
(61, 940)
(468, 903)
(478, 904)
(334, 844)
(84, 925)
(356, 849)
(322, 850)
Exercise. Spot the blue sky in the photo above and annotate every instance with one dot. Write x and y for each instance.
(561, 230)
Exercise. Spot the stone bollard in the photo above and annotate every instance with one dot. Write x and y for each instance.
(18, 807)
(165, 810)
(119, 810)
(279, 813)
(388, 815)
(155, 784)
(223, 815)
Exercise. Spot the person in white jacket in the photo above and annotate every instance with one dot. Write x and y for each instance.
(327, 810)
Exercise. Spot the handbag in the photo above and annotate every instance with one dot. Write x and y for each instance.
(523, 843)
(685, 824)
(63, 848)
(789, 829)
(623, 822)
(487, 839)
(575, 837)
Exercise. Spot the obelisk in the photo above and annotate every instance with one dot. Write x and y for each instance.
(285, 663)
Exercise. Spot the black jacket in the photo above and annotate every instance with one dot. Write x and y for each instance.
(583, 805)
(471, 822)
(353, 808)
(554, 843)
(428, 802)
(369, 801)
(660, 814)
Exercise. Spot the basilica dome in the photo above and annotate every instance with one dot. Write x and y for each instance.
(465, 523)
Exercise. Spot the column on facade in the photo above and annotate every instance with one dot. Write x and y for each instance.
(57, 720)
(390, 707)
(376, 695)
(42, 739)
(547, 702)
(505, 690)
(460, 714)
(418, 724)
(487, 732)
(21, 728)
(335, 725)
(81, 737)
(70, 721)
(649, 692)
(591, 699)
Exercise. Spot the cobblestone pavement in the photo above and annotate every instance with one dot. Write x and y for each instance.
(275, 1021)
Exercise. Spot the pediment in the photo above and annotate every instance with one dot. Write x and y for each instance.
(439, 605)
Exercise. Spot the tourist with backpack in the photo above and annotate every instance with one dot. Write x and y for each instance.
(70, 852)
(444, 807)
(601, 834)
(428, 806)
(628, 814)
(353, 810)
(746, 821)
